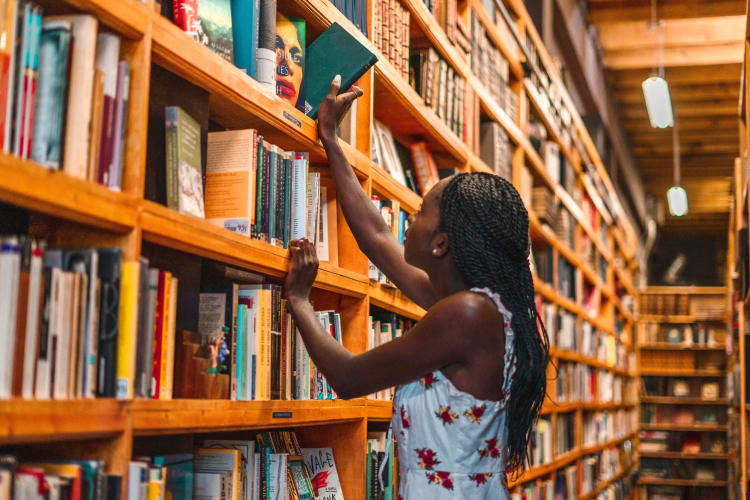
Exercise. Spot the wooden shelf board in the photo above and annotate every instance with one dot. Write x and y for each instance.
(31, 186)
(182, 416)
(196, 236)
(683, 427)
(678, 482)
(24, 421)
(686, 456)
(601, 486)
(680, 318)
(682, 373)
(542, 470)
(663, 346)
(669, 400)
(389, 187)
(130, 18)
(394, 300)
(379, 410)
(684, 290)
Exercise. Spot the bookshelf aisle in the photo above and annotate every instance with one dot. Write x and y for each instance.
(583, 245)
(684, 335)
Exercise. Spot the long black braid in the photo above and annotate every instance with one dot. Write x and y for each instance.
(488, 232)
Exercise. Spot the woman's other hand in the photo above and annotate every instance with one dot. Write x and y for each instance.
(333, 108)
(303, 268)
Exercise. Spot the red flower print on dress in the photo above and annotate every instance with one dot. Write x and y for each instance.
(492, 450)
(428, 380)
(480, 478)
(446, 415)
(442, 478)
(405, 419)
(427, 458)
(475, 413)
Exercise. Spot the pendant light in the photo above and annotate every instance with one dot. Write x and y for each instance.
(676, 195)
(655, 88)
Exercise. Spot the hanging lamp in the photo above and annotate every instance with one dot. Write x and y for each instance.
(655, 87)
(676, 195)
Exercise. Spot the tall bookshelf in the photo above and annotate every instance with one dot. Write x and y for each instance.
(684, 336)
(69, 212)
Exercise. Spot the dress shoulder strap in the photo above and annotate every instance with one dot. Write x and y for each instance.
(509, 359)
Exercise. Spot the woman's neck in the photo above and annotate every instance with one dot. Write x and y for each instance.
(448, 280)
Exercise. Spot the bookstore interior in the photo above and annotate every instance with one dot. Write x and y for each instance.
(162, 158)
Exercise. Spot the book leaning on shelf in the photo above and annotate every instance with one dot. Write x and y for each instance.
(64, 97)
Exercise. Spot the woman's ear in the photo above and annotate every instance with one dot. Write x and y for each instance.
(440, 245)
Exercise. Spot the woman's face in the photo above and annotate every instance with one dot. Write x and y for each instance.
(289, 61)
(424, 226)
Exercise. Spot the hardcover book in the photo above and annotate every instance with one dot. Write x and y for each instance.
(325, 477)
(290, 60)
(184, 180)
(335, 52)
(208, 22)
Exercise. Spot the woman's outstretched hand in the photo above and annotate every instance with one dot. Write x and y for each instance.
(303, 268)
(333, 108)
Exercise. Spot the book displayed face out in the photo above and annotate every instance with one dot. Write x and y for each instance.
(290, 60)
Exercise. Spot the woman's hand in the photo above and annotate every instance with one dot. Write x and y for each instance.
(303, 268)
(333, 108)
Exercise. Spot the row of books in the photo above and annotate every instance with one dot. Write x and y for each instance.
(599, 467)
(540, 444)
(683, 442)
(252, 187)
(71, 318)
(565, 433)
(491, 68)
(271, 466)
(563, 484)
(398, 222)
(64, 98)
(602, 426)
(443, 90)
(41, 479)
(695, 334)
(271, 46)
(413, 167)
(379, 452)
(495, 149)
(391, 33)
(698, 470)
(684, 387)
(382, 327)
(683, 414)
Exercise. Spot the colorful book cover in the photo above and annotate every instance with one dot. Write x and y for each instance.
(323, 473)
(208, 22)
(184, 173)
(290, 60)
(127, 330)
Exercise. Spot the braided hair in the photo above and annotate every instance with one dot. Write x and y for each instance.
(488, 231)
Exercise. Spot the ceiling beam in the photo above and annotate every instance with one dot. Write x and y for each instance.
(695, 160)
(684, 93)
(680, 75)
(688, 123)
(693, 109)
(697, 55)
(639, 151)
(630, 35)
(640, 10)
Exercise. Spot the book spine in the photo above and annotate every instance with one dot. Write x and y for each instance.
(127, 328)
(166, 318)
(268, 156)
(158, 335)
(266, 52)
(260, 155)
(238, 356)
(22, 63)
(299, 196)
(33, 320)
(170, 114)
(287, 199)
(107, 54)
(120, 120)
(168, 386)
(7, 64)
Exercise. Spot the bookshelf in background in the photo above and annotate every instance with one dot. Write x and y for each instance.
(524, 128)
(684, 337)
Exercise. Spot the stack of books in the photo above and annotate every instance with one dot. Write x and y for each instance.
(544, 205)
(64, 98)
(391, 33)
(382, 327)
(442, 89)
(495, 149)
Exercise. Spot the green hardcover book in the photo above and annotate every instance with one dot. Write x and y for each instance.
(179, 480)
(287, 198)
(215, 30)
(368, 472)
(184, 179)
(258, 227)
(272, 194)
(335, 52)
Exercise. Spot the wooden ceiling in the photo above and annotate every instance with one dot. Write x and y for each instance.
(703, 43)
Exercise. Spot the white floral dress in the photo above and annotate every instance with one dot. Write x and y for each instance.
(450, 444)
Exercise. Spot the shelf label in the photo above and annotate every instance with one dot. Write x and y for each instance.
(281, 414)
(292, 119)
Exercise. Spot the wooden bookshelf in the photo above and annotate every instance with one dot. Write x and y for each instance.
(71, 212)
(657, 314)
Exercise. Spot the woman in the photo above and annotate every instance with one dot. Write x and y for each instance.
(473, 370)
